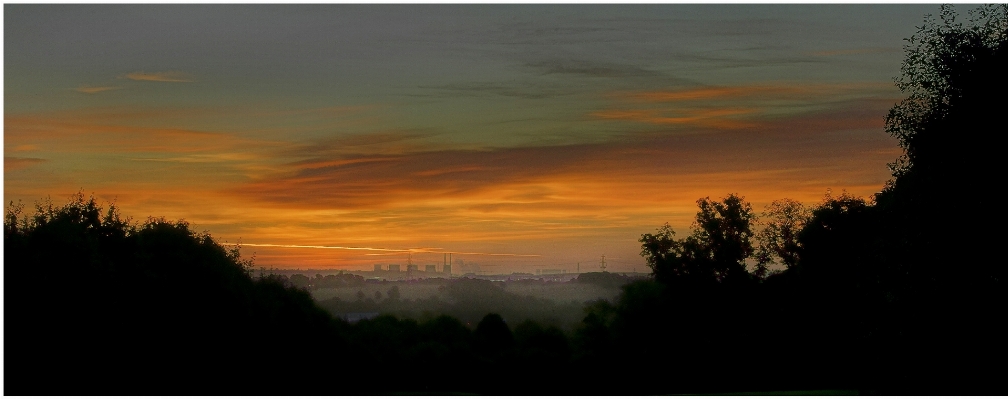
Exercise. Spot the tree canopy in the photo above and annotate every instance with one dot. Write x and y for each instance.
(715, 251)
(954, 78)
(955, 81)
(782, 221)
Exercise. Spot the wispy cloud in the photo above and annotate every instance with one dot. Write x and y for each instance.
(94, 89)
(410, 250)
(480, 89)
(771, 91)
(372, 143)
(707, 93)
(519, 200)
(734, 107)
(15, 163)
(204, 158)
(803, 152)
(24, 148)
(65, 134)
(713, 118)
(169, 76)
(591, 69)
(856, 51)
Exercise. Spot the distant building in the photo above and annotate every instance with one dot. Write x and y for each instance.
(430, 268)
(377, 267)
(412, 268)
(467, 268)
(446, 269)
(393, 268)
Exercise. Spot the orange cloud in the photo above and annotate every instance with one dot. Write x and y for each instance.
(25, 148)
(714, 92)
(94, 89)
(713, 118)
(740, 107)
(170, 76)
(777, 90)
(528, 179)
(204, 158)
(75, 135)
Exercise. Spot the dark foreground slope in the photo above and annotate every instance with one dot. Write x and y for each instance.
(94, 305)
(97, 306)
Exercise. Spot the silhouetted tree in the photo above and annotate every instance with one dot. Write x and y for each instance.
(663, 254)
(593, 339)
(782, 221)
(541, 348)
(393, 293)
(836, 242)
(954, 78)
(300, 280)
(492, 336)
(724, 228)
(715, 251)
(941, 261)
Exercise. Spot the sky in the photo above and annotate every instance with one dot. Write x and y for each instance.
(515, 136)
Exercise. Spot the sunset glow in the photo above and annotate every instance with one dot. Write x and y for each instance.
(518, 137)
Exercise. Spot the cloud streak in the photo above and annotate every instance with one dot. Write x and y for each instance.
(16, 163)
(711, 118)
(733, 107)
(410, 250)
(591, 69)
(804, 149)
(72, 134)
(762, 92)
(535, 200)
(94, 89)
(169, 76)
(856, 51)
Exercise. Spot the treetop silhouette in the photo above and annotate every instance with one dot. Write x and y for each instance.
(715, 251)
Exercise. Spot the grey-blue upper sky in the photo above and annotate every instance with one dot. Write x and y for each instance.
(503, 63)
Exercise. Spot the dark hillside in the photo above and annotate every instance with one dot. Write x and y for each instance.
(95, 305)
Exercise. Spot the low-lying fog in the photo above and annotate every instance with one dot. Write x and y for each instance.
(548, 300)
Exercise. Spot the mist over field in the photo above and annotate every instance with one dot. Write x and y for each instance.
(553, 303)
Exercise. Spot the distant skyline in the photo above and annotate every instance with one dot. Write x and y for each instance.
(516, 136)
